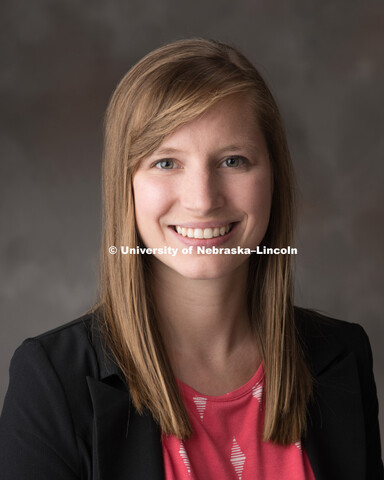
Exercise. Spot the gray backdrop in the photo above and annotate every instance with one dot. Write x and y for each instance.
(61, 60)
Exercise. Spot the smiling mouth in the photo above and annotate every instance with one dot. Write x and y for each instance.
(203, 232)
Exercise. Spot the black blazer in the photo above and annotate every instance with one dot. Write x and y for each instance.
(68, 413)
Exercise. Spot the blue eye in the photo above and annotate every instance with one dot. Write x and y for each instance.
(166, 164)
(234, 162)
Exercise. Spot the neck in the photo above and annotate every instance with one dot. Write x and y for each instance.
(202, 319)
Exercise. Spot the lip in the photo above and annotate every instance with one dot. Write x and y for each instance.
(204, 242)
(203, 224)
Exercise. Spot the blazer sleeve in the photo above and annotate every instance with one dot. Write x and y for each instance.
(371, 409)
(37, 438)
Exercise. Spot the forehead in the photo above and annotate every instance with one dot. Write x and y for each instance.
(230, 121)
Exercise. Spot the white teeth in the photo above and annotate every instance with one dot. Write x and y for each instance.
(203, 233)
(208, 233)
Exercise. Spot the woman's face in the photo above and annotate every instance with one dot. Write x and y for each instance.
(208, 184)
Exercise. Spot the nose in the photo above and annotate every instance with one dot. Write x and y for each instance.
(202, 192)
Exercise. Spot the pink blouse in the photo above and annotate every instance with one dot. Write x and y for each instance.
(227, 440)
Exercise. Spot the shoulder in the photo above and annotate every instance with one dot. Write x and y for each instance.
(68, 348)
(324, 338)
(313, 325)
(77, 332)
(58, 364)
(340, 357)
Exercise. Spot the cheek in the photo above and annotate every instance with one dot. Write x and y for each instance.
(254, 195)
(262, 197)
(151, 200)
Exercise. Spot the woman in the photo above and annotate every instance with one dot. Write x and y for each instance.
(194, 364)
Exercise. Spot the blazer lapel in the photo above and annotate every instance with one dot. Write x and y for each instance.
(335, 437)
(126, 445)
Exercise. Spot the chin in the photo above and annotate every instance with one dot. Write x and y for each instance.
(207, 270)
(196, 275)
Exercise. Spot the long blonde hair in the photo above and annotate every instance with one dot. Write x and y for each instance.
(166, 89)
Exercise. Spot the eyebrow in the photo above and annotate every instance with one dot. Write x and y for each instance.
(226, 148)
(166, 151)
